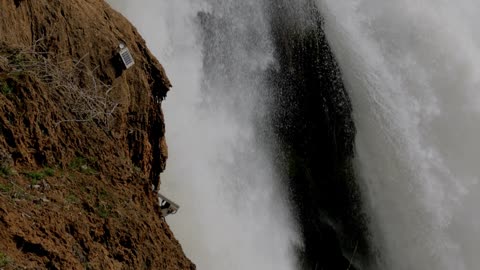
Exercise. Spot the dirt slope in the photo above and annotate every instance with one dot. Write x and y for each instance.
(81, 141)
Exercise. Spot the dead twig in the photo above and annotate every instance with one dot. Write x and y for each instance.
(74, 85)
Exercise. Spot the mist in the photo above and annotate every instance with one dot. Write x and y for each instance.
(234, 210)
(412, 71)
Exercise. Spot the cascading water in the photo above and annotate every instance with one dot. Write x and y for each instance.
(412, 69)
(234, 211)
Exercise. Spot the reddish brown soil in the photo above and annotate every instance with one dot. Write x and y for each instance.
(77, 195)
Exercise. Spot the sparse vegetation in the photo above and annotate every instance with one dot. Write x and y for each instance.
(35, 176)
(49, 171)
(77, 163)
(40, 175)
(104, 211)
(5, 88)
(88, 170)
(104, 207)
(87, 266)
(136, 169)
(6, 164)
(6, 171)
(72, 199)
(83, 165)
(5, 188)
(4, 260)
(87, 98)
(103, 195)
(14, 191)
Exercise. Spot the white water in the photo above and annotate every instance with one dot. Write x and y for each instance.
(412, 68)
(233, 214)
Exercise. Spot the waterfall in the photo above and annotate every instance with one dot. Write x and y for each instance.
(412, 69)
(234, 209)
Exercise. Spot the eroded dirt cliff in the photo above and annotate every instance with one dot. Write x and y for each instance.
(81, 142)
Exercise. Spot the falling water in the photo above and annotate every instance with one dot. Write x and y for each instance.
(412, 69)
(234, 212)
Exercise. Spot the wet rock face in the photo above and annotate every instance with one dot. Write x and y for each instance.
(314, 123)
(310, 118)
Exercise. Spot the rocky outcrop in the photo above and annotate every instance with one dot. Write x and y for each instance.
(313, 121)
(82, 141)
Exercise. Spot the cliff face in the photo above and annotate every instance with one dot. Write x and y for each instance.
(81, 143)
(313, 119)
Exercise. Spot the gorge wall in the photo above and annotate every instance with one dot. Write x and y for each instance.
(312, 117)
(82, 141)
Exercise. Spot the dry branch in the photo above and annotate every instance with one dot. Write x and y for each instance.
(72, 83)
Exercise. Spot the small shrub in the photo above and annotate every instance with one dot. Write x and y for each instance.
(6, 89)
(82, 164)
(4, 260)
(104, 211)
(35, 176)
(40, 175)
(77, 163)
(72, 199)
(103, 195)
(5, 188)
(14, 191)
(49, 171)
(6, 171)
(136, 169)
(88, 170)
(92, 160)
(87, 266)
